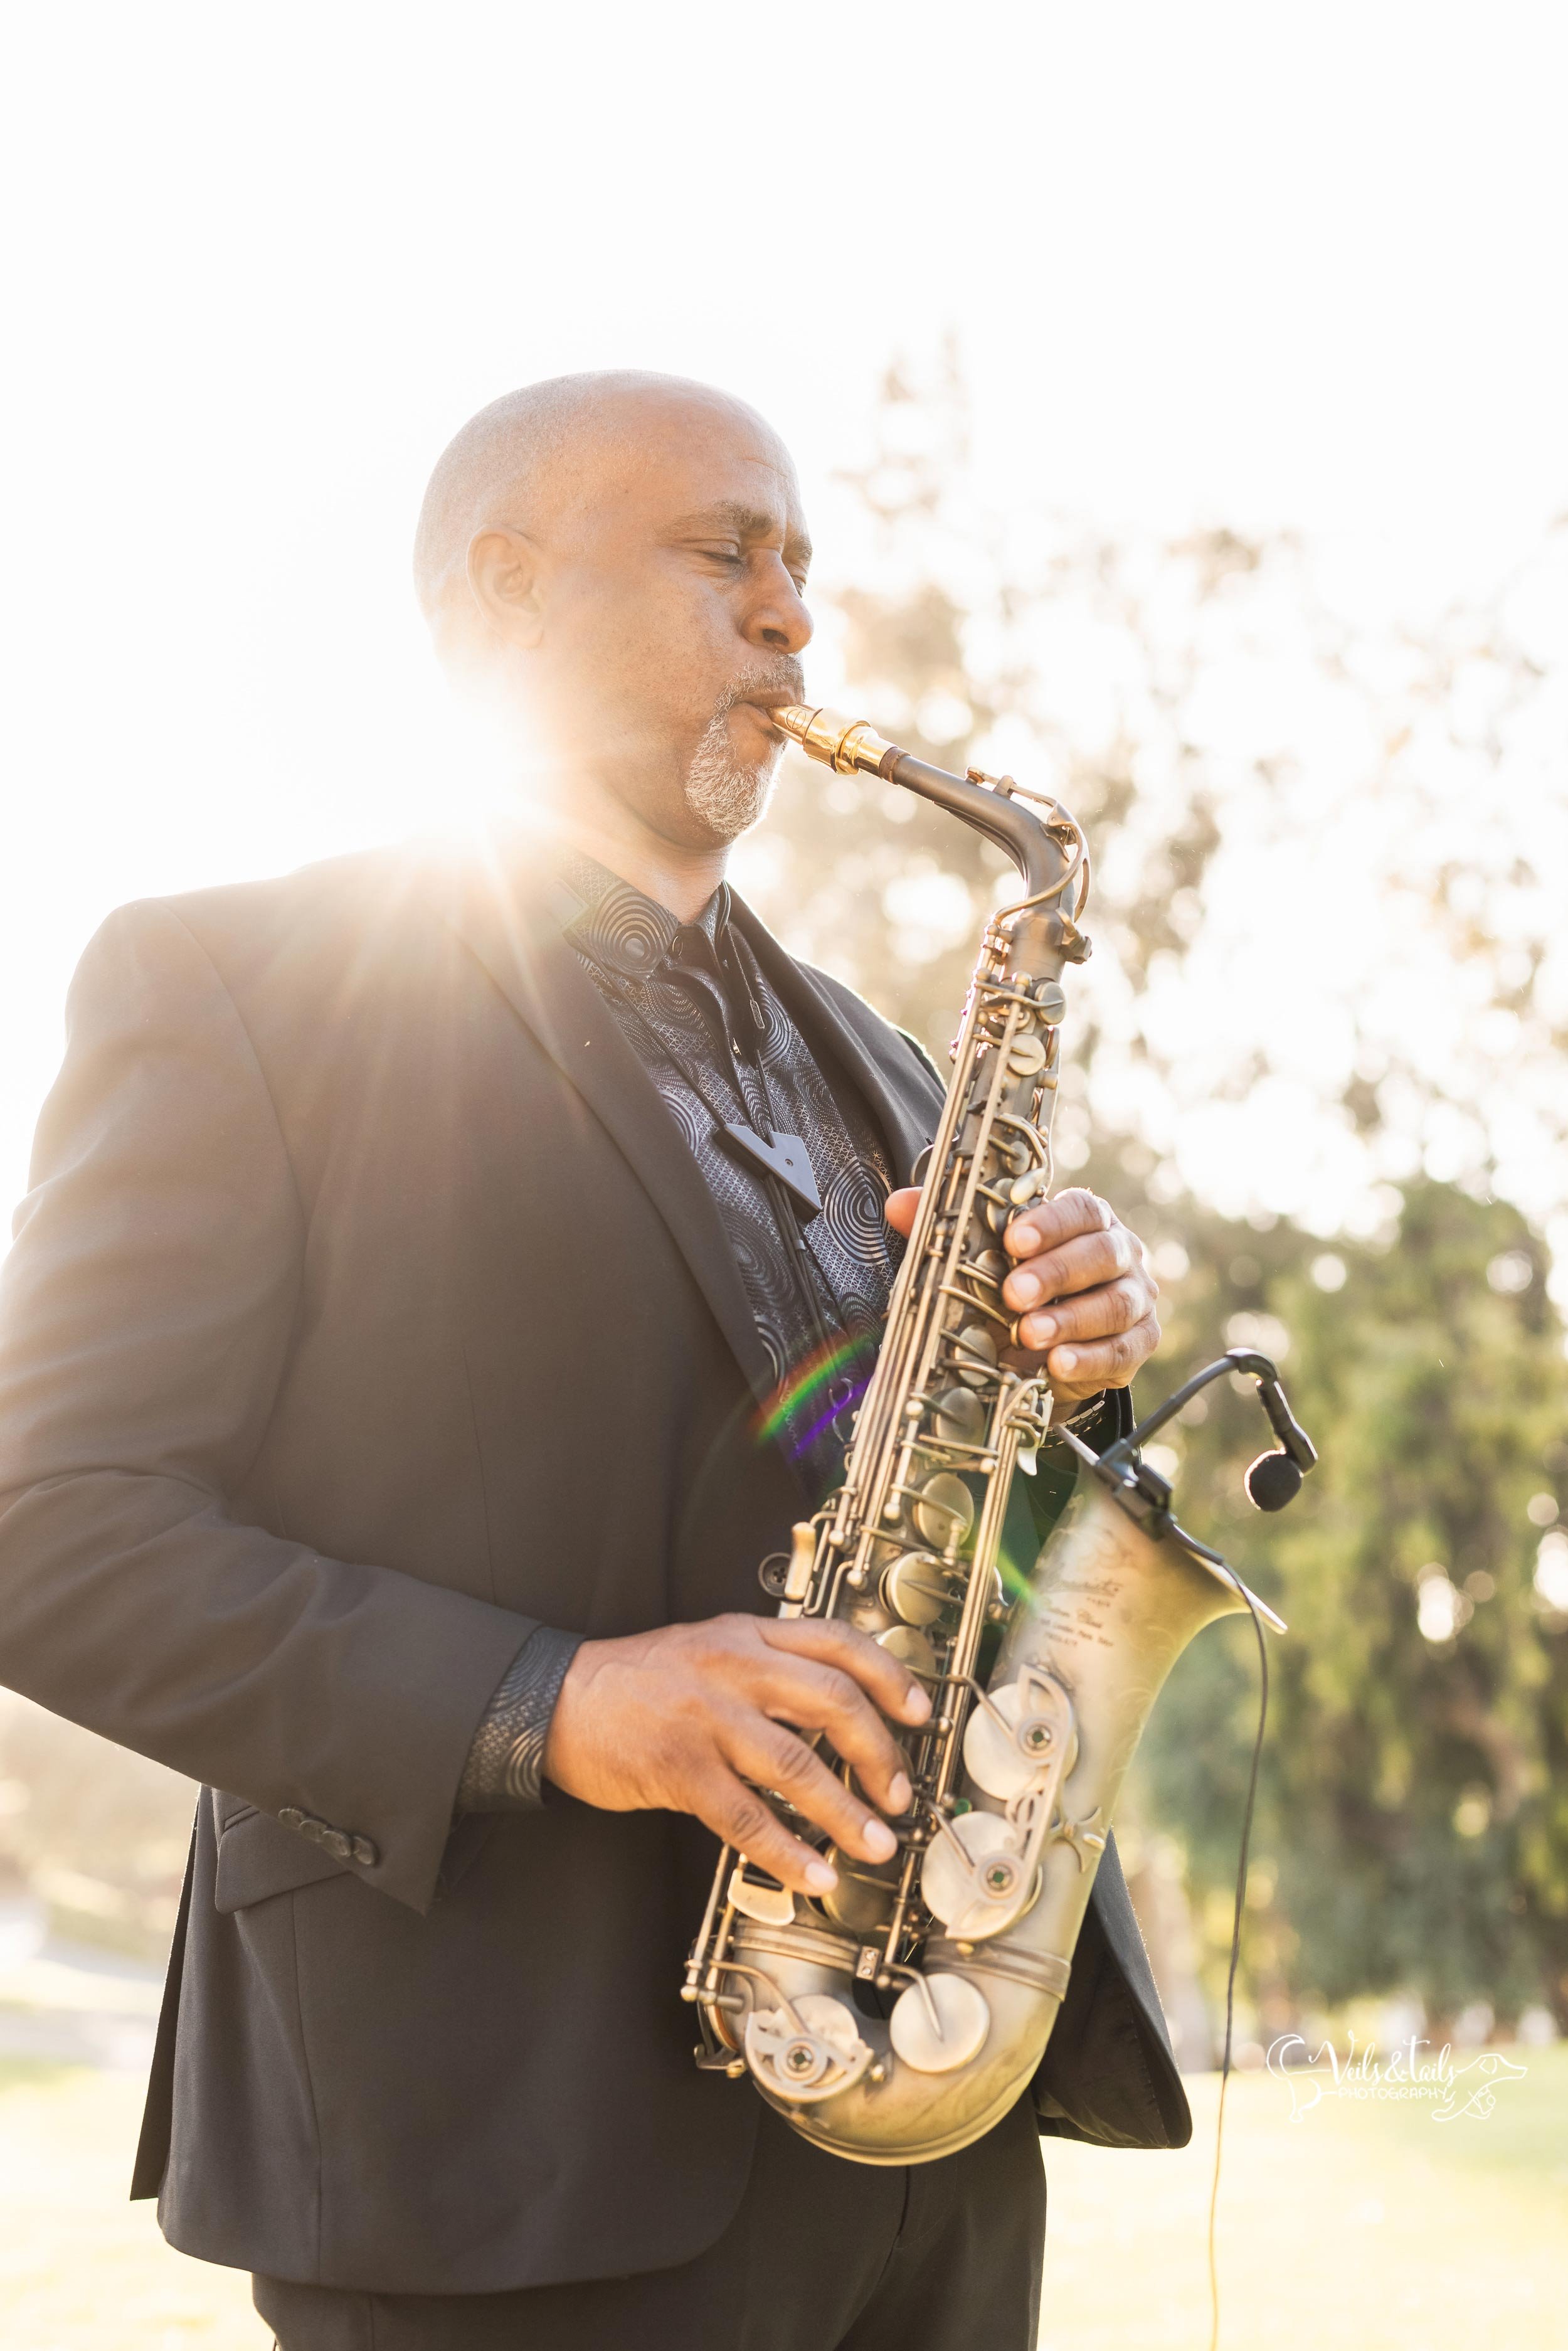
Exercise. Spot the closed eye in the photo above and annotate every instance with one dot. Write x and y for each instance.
(734, 557)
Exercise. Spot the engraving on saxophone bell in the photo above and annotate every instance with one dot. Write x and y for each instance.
(971, 1924)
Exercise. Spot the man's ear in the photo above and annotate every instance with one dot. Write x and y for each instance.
(505, 576)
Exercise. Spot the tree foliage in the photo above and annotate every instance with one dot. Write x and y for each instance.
(1413, 1824)
(1331, 854)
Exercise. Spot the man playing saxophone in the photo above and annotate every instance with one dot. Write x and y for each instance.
(444, 1279)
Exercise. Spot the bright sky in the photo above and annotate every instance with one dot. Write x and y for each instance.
(1294, 264)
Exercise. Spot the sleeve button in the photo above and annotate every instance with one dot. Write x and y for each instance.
(312, 1828)
(292, 1817)
(339, 1846)
(365, 1852)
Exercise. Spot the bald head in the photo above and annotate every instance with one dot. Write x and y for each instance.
(617, 562)
(538, 457)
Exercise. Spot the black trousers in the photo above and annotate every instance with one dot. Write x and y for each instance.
(822, 2255)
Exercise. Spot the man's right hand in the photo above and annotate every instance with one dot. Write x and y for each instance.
(696, 1718)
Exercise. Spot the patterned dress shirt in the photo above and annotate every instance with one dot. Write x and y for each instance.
(720, 1047)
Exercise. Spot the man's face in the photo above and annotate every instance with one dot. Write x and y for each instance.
(670, 617)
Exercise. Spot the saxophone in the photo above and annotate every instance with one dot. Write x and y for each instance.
(959, 1948)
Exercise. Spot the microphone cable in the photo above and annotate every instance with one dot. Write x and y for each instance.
(1235, 1960)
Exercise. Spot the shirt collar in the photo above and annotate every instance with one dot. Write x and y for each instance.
(622, 928)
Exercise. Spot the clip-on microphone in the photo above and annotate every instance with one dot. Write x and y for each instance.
(1275, 1478)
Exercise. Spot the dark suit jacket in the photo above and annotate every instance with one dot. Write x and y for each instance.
(368, 1308)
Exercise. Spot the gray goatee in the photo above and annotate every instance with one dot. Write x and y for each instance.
(728, 797)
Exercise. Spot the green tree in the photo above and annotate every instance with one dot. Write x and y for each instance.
(1413, 1826)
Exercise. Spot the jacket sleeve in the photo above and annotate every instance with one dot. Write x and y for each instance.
(146, 1311)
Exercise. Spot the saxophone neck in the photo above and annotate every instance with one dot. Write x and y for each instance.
(1043, 840)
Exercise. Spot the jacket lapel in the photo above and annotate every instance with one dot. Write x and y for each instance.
(514, 928)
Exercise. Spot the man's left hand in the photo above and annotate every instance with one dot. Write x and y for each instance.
(1082, 1289)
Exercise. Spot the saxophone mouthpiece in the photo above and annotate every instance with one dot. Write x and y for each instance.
(849, 746)
(790, 719)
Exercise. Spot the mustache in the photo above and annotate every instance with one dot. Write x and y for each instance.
(782, 681)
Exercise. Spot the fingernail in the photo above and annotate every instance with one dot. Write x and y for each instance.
(900, 1792)
(1041, 1330)
(821, 1879)
(1025, 1288)
(916, 1706)
(880, 1841)
(1065, 1360)
(1021, 1238)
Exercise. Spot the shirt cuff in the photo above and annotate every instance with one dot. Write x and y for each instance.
(1099, 1421)
(504, 1769)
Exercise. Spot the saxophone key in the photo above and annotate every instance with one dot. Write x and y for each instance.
(960, 1414)
(975, 1355)
(769, 1904)
(861, 1902)
(944, 1512)
(939, 2023)
(1032, 1186)
(916, 1588)
(911, 1648)
(809, 2050)
(1016, 1741)
(973, 1876)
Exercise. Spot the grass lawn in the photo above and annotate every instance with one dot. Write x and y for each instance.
(1363, 2227)
(80, 2269)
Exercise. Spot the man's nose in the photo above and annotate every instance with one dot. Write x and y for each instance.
(776, 618)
